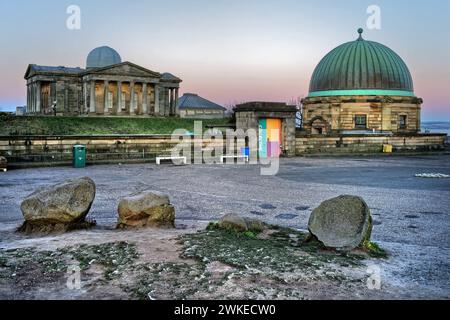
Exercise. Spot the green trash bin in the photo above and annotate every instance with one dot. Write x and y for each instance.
(79, 156)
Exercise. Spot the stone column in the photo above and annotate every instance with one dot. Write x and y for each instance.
(85, 95)
(156, 100)
(105, 96)
(38, 97)
(132, 102)
(172, 102)
(177, 110)
(419, 117)
(28, 98)
(167, 102)
(119, 97)
(33, 97)
(386, 117)
(92, 107)
(144, 98)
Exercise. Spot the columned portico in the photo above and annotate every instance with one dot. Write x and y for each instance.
(104, 87)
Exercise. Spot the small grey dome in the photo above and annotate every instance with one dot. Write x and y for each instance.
(102, 57)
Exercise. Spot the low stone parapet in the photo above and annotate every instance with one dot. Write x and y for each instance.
(347, 144)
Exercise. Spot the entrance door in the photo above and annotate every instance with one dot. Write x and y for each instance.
(269, 138)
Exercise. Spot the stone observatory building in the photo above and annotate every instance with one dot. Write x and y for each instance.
(361, 86)
(106, 87)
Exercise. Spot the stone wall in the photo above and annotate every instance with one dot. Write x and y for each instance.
(382, 113)
(69, 99)
(202, 114)
(363, 144)
(56, 150)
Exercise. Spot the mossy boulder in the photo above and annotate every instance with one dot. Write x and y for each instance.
(148, 209)
(60, 207)
(342, 223)
(240, 224)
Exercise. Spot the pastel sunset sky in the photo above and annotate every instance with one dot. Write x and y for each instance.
(226, 50)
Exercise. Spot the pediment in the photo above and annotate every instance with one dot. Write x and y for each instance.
(126, 69)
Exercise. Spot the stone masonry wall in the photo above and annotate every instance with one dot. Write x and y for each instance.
(54, 150)
(368, 143)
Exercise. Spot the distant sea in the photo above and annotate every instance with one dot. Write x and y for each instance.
(436, 127)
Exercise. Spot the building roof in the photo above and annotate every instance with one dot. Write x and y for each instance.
(194, 101)
(361, 67)
(263, 106)
(102, 57)
(37, 69)
(170, 77)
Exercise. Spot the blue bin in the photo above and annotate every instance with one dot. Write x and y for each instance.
(245, 151)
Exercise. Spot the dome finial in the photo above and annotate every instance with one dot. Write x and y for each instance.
(360, 31)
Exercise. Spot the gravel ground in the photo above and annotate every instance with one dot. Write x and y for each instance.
(411, 214)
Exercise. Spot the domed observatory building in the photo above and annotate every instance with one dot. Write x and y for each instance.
(360, 87)
(106, 87)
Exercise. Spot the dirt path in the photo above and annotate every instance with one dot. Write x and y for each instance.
(185, 263)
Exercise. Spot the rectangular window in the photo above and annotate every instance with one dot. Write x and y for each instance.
(360, 122)
(402, 122)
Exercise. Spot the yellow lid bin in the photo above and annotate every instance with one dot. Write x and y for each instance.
(387, 148)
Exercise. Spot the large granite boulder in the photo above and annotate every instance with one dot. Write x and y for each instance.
(148, 209)
(60, 207)
(343, 223)
(240, 224)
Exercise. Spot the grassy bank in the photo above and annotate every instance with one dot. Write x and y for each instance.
(10, 125)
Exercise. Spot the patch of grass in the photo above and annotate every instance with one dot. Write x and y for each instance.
(10, 125)
(281, 252)
(374, 250)
(114, 257)
(169, 281)
(13, 261)
(250, 234)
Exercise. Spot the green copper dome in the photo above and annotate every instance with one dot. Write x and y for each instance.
(361, 67)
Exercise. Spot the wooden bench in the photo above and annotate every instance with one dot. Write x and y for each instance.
(183, 159)
(222, 158)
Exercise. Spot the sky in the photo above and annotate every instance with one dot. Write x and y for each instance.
(228, 51)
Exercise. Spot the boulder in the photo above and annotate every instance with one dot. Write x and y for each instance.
(240, 224)
(3, 163)
(342, 223)
(148, 209)
(60, 207)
